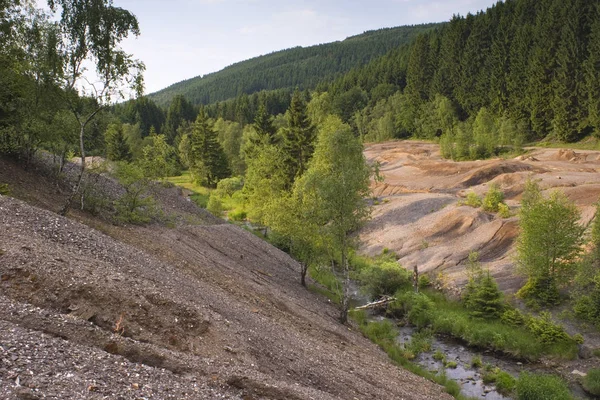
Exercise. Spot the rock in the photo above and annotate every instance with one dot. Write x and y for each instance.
(577, 372)
(585, 352)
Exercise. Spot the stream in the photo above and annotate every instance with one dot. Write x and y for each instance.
(469, 378)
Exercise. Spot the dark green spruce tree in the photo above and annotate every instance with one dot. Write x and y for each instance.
(179, 111)
(298, 138)
(207, 158)
(117, 148)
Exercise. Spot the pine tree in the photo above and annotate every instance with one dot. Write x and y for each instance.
(207, 158)
(591, 68)
(117, 148)
(263, 126)
(179, 111)
(486, 301)
(298, 138)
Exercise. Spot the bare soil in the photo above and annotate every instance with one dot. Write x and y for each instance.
(419, 213)
(197, 309)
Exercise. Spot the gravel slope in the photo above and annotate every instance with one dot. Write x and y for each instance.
(196, 311)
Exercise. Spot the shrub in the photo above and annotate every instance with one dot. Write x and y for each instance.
(4, 189)
(493, 198)
(514, 317)
(591, 383)
(239, 215)
(424, 281)
(420, 310)
(546, 330)
(473, 200)
(214, 205)
(541, 387)
(229, 186)
(504, 211)
(384, 278)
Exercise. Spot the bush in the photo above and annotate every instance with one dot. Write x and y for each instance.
(419, 310)
(493, 198)
(214, 205)
(513, 317)
(384, 278)
(473, 200)
(239, 215)
(541, 387)
(229, 186)
(504, 211)
(546, 330)
(4, 189)
(476, 361)
(591, 383)
(424, 281)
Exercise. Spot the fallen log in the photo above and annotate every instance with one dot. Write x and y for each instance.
(384, 301)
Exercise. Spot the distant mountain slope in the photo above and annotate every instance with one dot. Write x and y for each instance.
(302, 67)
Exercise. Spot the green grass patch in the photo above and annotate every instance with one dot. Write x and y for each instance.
(384, 333)
(443, 316)
(200, 194)
(505, 383)
(591, 382)
(329, 285)
(541, 387)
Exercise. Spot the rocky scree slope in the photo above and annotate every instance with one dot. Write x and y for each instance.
(193, 312)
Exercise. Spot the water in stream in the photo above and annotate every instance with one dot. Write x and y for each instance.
(469, 378)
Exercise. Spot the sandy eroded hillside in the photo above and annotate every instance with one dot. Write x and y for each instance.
(419, 217)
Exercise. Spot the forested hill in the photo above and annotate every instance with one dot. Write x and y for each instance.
(302, 67)
(524, 67)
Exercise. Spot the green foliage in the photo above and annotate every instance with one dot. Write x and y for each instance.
(493, 198)
(333, 189)
(514, 317)
(424, 281)
(439, 356)
(504, 211)
(136, 206)
(303, 67)
(158, 159)
(549, 243)
(239, 215)
(476, 361)
(207, 159)
(546, 329)
(484, 299)
(591, 382)
(540, 386)
(473, 200)
(297, 138)
(117, 148)
(4, 189)
(505, 383)
(214, 205)
(384, 277)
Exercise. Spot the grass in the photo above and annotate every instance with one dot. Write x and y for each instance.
(587, 143)
(541, 386)
(591, 382)
(505, 383)
(384, 333)
(451, 318)
(200, 194)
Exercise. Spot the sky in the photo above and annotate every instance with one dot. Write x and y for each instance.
(181, 39)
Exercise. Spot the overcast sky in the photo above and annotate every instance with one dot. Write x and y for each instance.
(181, 39)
